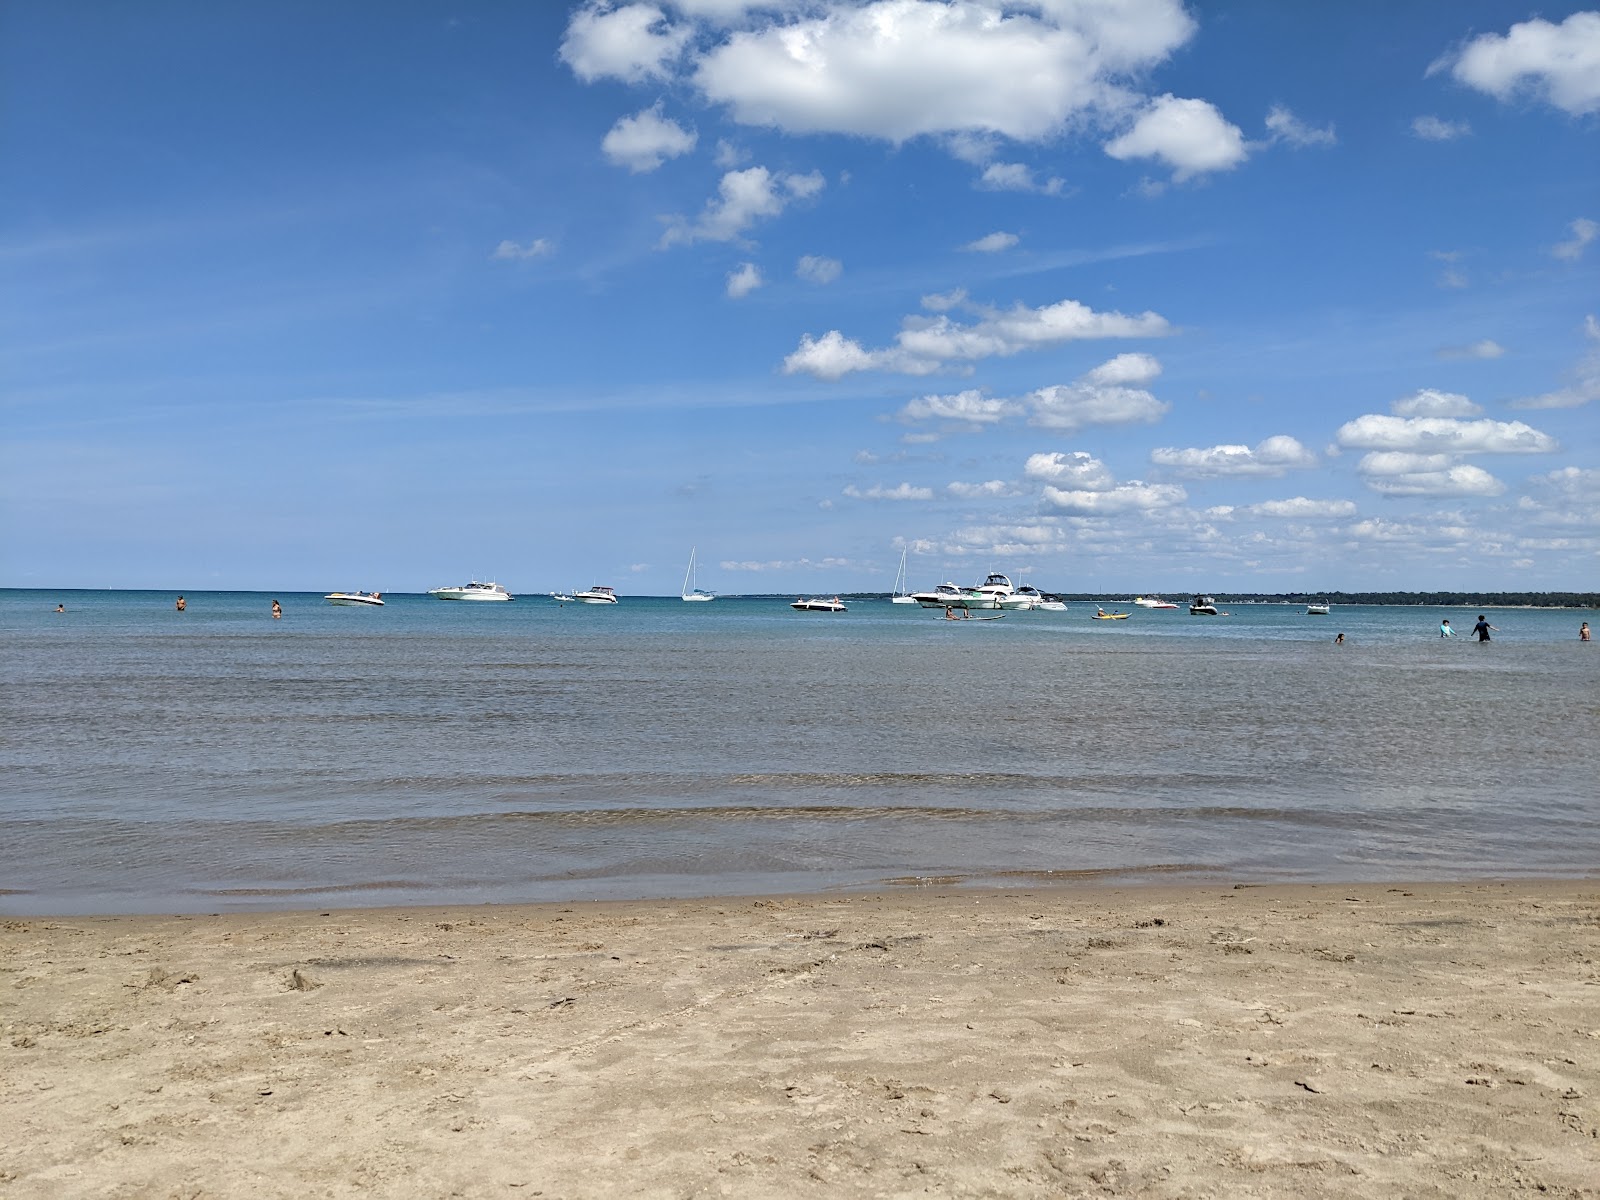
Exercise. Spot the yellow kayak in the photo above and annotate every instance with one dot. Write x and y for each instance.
(1105, 616)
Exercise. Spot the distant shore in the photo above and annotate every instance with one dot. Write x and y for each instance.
(1351, 1040)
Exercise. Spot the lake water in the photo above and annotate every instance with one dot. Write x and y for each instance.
(431, 752)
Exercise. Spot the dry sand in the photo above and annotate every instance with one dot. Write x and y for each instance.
(1212, 1041)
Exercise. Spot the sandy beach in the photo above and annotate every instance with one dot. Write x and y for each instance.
(1198, 1041)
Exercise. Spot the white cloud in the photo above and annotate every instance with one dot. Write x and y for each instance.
(1485, 348)
(980, 491)
(728, 155)
(1130, 497)
(743, 280)
(900, 69)
(1018, 177)
(1302, 509)
(1443, 435)
(971, 407)
(904, 491)
(743, 197)
(1286, 127)
(1430, 403)
(1559, 64)
(990, 243)
(928, 344)
(1190, 136)
(1585, 385)
(1571, 484)
(1583, 232)
(944, 301)
(1435, 129)
(830, 564)
(814, 268)
(632, 43)
(1133, 369)
(645, 140)
(1100, 397)
(1272, 457)
(1429, 475)
(512, 252)
(1073, 471)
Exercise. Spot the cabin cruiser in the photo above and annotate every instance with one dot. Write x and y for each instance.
(819, 605)
(996, 585)
(596, 595)
(1203, 606)
(948, 595)
(1025, 598)
(1153, 602)
(364, 599)
(472, 591)
(1317, 608)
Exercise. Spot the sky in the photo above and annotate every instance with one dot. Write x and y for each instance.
(1108, 295)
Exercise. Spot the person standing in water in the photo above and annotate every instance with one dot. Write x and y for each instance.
(1583, 632)
(1444, 628)
(1482, 628)
(182, 604)
(277, 610)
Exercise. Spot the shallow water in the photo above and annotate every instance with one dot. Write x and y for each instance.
(436, 752)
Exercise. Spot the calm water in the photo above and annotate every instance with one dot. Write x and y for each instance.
(434, 752)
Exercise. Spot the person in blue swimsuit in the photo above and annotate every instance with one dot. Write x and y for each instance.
(1482, 628)
(1444, 628)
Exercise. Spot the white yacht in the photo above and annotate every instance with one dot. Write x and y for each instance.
(948, 595)
(1153, 602)
(596, 595)
(362, 599)
(998, 587)
(1203, 606)
(472, 591)
(820, 605)
(690, 591)
(1317, 608)
(1025, 598)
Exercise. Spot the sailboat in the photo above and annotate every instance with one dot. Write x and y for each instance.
(900, 595)
(690, 592)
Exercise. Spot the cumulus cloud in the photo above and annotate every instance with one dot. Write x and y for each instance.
(1018, 177)
(645, 140)
(509, 251)
(1436, 129)
(1107, 395)
(1430, 403)
(1190, 136)
(1585, 385)
(1443, 435)
(743, 280)
(1285, 127)
(980, 491)
(970, 407)
(1570, 483)
(1131, 497)
(928, 344)
(991, 243)
(1302, 509)
(814, 268)
(1073, 471)
(1403, 474)
(904, 491)
(1272, 457)
(1559, 64)
(900, 69)
(632, 42)
(743, 197)
(1583, 232)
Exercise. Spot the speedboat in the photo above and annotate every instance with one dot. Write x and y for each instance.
(998, 587)
(364, 599)
(1318, 608)
(819, 605)
(1203, 606)
(1025, 598)
(1153, 602)
(472, 591)
(948, 595)
(596, 595)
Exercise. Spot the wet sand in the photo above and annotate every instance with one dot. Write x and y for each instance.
(1368, 1040)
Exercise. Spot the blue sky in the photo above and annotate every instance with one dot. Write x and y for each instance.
(1109, 296)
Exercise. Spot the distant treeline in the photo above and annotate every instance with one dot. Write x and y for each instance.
(1427, 599)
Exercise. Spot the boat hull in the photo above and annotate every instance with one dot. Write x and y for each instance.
(353, 600)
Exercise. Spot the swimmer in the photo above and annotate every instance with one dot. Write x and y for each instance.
(1583, 631)
(277, 610)
(63, 608)
(1482, 628)
(1339, 641)
(182, 604)
(1444, 628)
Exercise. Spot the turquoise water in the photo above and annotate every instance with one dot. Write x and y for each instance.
(436, 752)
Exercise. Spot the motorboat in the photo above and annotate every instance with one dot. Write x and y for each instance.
(1153, 602)
(949, 595)
(1203, 606)
(560, 597)
(690, 591)
(596, 595)
(819, 605)
(1317, 608)
(1025, 598)
(359, 599)
(997, 586)
(472, 591)
(900, 595)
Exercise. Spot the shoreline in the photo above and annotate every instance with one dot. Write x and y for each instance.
(1169, 1039)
